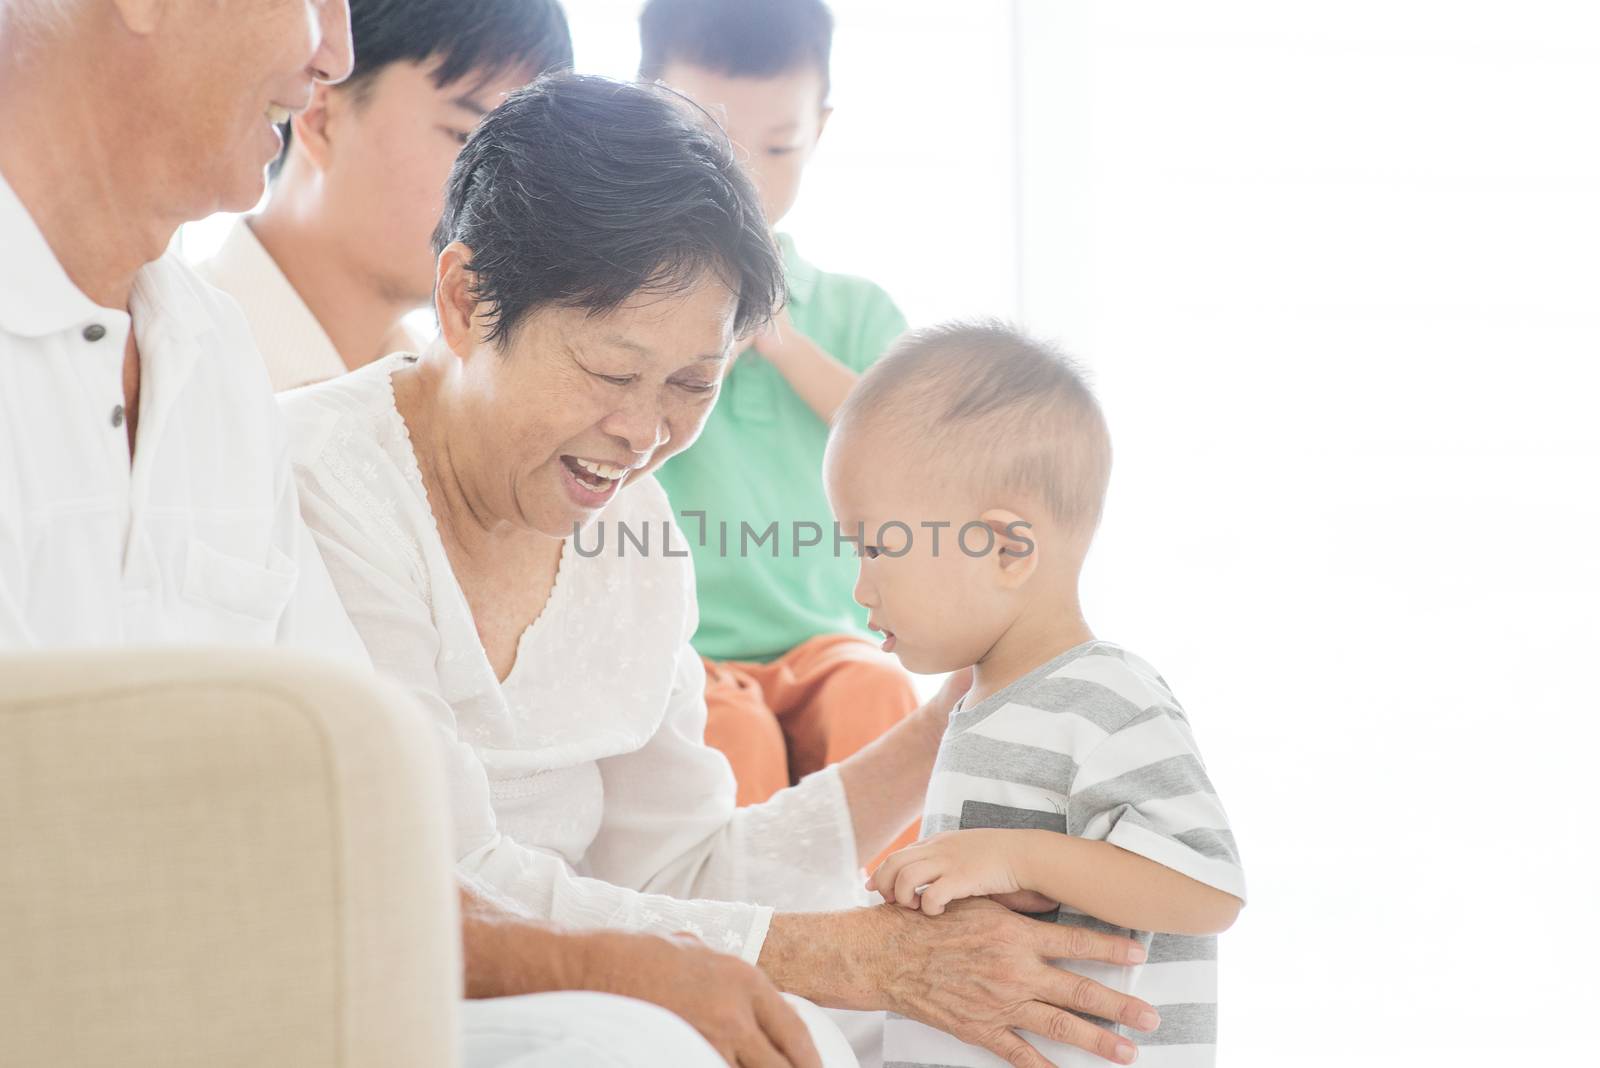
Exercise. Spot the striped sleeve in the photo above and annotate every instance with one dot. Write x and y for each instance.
(1144, 789)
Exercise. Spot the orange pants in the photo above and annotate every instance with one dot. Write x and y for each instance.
(815, 705)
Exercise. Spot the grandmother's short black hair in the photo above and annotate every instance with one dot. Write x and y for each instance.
(579, 191)
(737, 38)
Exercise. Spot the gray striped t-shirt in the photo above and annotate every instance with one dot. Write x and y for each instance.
(1091, 744)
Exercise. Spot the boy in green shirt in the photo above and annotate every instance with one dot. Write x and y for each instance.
(793, 681)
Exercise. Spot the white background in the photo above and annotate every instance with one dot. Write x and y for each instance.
(1336, 268)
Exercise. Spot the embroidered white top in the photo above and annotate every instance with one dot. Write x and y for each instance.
(582, 785)
(296, 348)
(199, 540)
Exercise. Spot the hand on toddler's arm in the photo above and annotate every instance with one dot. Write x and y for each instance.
(974, 863)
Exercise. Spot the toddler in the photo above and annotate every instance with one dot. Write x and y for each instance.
(971, 463)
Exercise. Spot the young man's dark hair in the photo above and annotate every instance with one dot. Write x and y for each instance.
(738, 38)
(582, 192)
(462, 37)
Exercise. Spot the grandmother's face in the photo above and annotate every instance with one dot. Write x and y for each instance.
(218, 77)
(578, 405)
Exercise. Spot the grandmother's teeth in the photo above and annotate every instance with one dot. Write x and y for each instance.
(277, 115)
(605, 471)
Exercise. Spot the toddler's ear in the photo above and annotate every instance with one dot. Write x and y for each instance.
(1016, 554)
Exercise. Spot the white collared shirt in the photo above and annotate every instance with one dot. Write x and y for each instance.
(199, 540)
(296, 348)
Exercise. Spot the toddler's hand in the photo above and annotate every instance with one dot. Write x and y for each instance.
(1026, 901)
(956, 864)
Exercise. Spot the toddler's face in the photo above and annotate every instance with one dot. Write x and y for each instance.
(774, 122)
(933, 593)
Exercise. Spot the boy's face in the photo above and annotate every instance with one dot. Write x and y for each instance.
(940, 608)
(386, 148)
(774, 122)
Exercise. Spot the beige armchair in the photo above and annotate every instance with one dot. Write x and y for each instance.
(220, 858)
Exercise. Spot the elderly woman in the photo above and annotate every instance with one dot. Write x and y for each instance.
(487, 513)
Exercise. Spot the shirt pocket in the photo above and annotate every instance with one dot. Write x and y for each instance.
(246, 597)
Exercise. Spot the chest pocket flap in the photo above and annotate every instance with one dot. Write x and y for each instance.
(239, 586)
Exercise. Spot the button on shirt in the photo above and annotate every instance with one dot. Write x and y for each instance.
(199, 540)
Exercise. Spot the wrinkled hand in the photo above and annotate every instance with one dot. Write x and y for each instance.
(938, 870)
(732, 1004)
(981, 973)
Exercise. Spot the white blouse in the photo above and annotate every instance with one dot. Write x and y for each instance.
(582, 785)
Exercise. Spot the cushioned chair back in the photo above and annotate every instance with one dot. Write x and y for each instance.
(220, 858)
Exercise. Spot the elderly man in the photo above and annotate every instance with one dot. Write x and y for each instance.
(145, 494)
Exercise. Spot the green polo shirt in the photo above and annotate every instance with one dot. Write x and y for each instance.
(758, 463)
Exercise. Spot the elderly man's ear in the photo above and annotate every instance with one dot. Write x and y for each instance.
(313, 126)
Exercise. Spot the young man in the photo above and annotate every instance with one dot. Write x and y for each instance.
(328, 271)
(792, 682)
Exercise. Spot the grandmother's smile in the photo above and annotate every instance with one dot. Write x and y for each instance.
(592, 483)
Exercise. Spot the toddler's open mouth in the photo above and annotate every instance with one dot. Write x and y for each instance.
(887, 644)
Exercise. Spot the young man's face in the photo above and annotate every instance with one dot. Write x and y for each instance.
(775, 123)
(388, 148)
